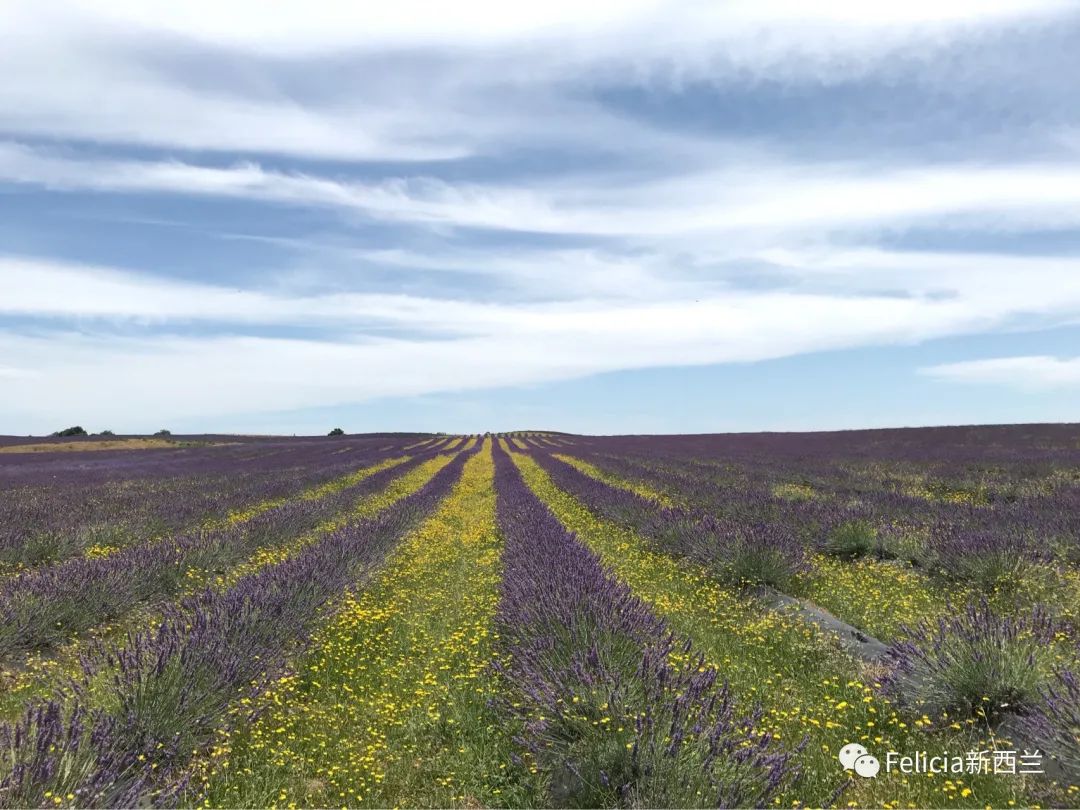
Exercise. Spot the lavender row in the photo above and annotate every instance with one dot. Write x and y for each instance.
(871, 491)
(47, 524)
(230, 458)
(988, 545)
(743, 548)
(1010, 445)
(601, 711)
(171, 688)
(44, 607)
(1034, 484)
(978, 663)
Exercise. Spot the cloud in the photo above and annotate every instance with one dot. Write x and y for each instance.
(765, 195)
(982, 289)
(124, 379)
(12, 373)
(445, 345)
(316, 25)
(1033, 372)
(426, 81)
(601, 186)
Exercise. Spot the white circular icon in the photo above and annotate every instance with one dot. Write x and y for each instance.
(851, 752)
(867, 765)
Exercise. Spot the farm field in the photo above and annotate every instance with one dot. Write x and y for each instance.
(882, 618)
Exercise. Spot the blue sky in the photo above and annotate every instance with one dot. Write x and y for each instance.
(634, 216)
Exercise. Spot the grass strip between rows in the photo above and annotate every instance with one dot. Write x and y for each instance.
(392, 704)
(161, 697)
(42, 675)
(312, 494)
(806, 685)
(876, 596)
(881, 597)
(235, 517)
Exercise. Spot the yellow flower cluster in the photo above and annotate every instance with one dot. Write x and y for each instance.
(637, 487)
(312, 494)
(240, 516)
(952, 495)
(365, 508)
(793, 491)
(391, 706)
(875, 596)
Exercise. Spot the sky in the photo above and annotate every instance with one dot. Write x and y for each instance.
(643, 216)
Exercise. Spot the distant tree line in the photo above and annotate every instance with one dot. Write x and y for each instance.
(78, 430)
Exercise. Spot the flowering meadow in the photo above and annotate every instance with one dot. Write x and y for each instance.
(858, 619)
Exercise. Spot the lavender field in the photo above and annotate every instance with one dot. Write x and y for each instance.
(883, 618)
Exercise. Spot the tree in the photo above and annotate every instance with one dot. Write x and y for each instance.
(163, 432)
(336, 432)
(71, 431)
(106, 433)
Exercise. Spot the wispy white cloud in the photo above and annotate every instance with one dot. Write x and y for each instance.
(478, 61)
(944, 289)
(454, 345)
(762, 195)
(1032, 372)
(12, 373)
(321, 23)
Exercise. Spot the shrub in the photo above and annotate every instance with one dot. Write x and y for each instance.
(106, 433)
(71, 431)
(678, 531)
(1055, 723)
(755, 554)
(977, 663)
(754, 565)
(851, 539)
(901, 542)
(995, 559)
(336, 432)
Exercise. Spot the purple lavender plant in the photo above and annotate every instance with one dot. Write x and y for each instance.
(741, 547)
(993, 558)
(602, 711)
(977, 663)
(53, 752)
(53, 519)
(751, 554)
(43, 607)
(170, 686)
(1054, 724)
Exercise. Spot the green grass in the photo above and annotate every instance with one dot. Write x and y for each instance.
(807, 687)
(392, 704)
(42, 675)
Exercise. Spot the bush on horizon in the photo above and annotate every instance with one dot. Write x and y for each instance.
(71, 431)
